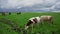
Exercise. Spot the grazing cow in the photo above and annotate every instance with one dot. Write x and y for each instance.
(32, 21)
(4, 13)
(40, 19)
(46, 18)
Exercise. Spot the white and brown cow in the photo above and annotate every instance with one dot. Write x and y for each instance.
(46, 18)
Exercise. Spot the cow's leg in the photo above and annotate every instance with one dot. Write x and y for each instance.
(37, 25)
(32, 27)
(42, 22)
(50, 21)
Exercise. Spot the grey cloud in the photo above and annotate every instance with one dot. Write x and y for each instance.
(45, 5)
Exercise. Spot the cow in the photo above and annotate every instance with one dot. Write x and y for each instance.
(46, 18)
(32, 21)
(39, 19)
(4, 13)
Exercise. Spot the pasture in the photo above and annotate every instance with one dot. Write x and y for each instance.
(19, 21)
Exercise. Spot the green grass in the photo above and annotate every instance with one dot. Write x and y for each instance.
(22, 19)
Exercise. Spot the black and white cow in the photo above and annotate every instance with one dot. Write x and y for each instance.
(32, 21)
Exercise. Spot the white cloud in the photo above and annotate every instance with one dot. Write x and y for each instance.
(44, 4)
(56, 6)
(15, 3)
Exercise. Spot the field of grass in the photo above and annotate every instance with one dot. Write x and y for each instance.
(20, 21)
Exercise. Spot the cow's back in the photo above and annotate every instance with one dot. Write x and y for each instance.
(45, 17)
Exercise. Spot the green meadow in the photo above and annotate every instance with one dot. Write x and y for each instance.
(20, 21)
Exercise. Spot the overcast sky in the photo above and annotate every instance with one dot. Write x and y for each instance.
(44, 4)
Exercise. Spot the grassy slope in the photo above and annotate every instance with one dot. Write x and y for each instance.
(22, 19)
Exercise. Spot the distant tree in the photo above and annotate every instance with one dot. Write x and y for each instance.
(9, 13)
(18, 13)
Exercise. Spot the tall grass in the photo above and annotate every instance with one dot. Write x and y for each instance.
(22, 19)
